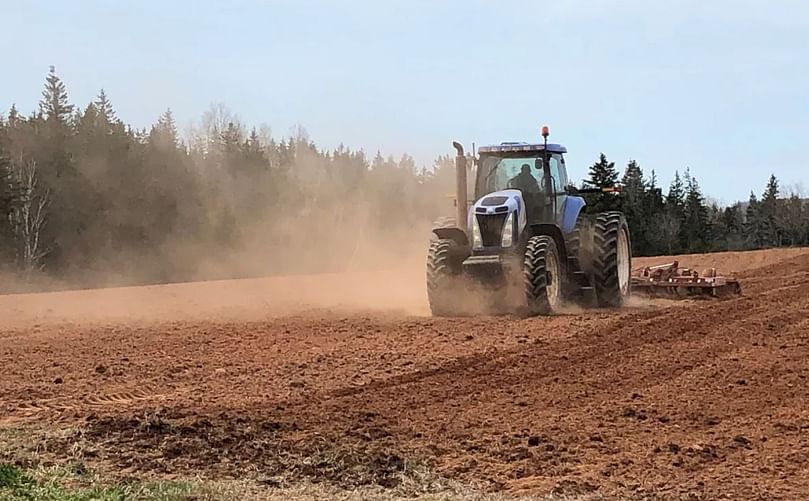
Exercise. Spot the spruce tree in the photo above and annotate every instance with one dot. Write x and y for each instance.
(696, 230)
(653, 212)
(633, 206)
(13, 116)
(731, 228)
(675, 200)
(72, 209)
(752, 223)
(54, 104)
(603, 174)
(164, 133)
(9, 202)
(673, 217)
(768, 214)
(104, 108)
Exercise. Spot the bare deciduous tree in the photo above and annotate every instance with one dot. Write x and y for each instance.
(30, 216)
(669, 229)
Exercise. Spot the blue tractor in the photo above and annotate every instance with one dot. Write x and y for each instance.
(526, 241)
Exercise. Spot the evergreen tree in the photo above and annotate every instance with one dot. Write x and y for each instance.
(675, 200)
(633, 181)
(730, 235)
(673, 217)
(696, 230)
(634, 202)
(654, 213)
(13, 116)
(602, 174)
(54, 104)
(9, 202)
(164, 133)
(70, 211)
(790, 221)
(753, 227)
(104, 108)
(768, 214)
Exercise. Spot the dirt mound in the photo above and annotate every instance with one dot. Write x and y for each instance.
(664, 398)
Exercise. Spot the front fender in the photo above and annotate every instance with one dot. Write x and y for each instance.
(551, 230)
(455, 234)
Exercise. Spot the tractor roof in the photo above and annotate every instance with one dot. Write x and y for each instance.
(509, 147)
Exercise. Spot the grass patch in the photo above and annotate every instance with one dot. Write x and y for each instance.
(75, 465)
(60, 484)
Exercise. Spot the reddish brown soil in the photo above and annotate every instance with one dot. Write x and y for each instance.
(703, 397)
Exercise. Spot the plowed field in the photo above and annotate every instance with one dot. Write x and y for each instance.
(349, 374)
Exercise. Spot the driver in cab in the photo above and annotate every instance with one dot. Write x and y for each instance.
(524, 181)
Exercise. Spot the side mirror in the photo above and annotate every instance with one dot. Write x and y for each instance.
(539, 164)
(571, 189)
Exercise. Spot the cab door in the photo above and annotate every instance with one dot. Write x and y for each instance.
(556, 165)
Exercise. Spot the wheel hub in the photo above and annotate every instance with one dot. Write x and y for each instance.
(623, 263)
(552, 272)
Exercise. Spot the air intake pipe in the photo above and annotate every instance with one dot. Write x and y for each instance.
(460, 186)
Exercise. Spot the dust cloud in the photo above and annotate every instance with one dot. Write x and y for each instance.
(239, 244)
(277, 267)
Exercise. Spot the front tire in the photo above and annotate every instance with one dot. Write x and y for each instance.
(612, 259)
(443, 272)
(542, 275)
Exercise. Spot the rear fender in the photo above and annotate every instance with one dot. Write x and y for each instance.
(570, 213)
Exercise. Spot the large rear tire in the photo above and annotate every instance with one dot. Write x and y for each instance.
(542, 274)
(612, 259)
(443, 273)
(579, 243)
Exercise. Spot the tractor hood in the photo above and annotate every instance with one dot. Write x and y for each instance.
(499, 205)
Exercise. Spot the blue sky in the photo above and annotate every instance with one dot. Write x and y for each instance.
(720, 86)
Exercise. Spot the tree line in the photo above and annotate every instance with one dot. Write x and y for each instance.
(680, 220)
(89, 200)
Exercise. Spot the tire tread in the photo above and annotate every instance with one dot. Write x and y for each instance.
(607, 228)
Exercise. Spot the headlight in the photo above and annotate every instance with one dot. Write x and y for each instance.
(476, 240)
(508, 231)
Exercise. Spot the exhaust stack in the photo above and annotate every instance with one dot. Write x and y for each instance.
(460, 186)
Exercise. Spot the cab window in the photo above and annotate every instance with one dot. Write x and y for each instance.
(556, 165)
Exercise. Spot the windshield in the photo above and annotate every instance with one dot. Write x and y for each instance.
(498, 173)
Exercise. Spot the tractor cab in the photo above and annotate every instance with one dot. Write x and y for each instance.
(536, 171)
(518, 188)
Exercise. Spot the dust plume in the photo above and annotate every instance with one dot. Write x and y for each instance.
(224, 203)
(334, 256)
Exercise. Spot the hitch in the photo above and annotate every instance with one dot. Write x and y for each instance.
(572, 190)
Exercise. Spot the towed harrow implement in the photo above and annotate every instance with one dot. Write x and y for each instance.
(669, 280)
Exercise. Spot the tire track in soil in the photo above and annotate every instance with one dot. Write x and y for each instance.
(26, 410)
